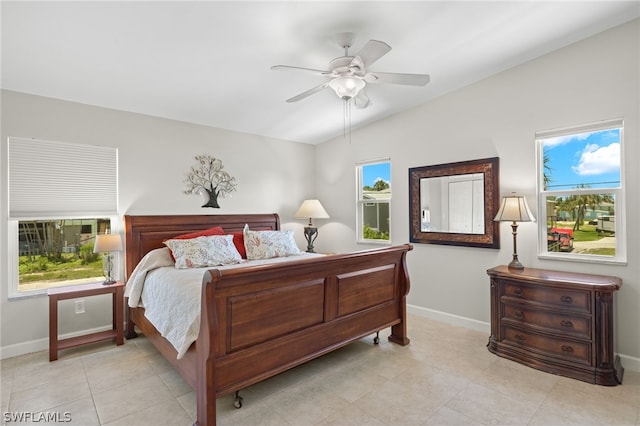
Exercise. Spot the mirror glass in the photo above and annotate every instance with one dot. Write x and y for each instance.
(455, 203)
(452, 204)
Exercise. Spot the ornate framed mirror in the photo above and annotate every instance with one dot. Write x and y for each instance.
(455, 203)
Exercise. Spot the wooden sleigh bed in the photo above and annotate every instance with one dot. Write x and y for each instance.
(258, 321)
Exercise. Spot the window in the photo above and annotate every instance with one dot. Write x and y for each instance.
(60, 196)
(56, 252)
(580, 193)
(374, 200)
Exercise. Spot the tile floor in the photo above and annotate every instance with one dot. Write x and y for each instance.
(446, 376)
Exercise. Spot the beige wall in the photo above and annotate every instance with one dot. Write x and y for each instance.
(154, 157)
(589, 81)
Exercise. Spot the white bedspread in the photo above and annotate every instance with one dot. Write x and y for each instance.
(171, 297)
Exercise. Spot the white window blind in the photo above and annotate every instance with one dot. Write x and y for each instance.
(59, 179)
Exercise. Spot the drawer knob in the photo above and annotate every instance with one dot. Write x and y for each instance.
(519, 337)
(566, 323)
(517, 292)
(567, 349)
(566, 299)
(518, 314)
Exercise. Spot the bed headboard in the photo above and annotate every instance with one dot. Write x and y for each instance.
(145, 233)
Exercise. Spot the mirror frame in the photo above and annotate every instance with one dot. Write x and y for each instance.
(491, 237)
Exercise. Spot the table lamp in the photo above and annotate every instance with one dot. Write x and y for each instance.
(107, 244)
(514, 209)
(311, 209)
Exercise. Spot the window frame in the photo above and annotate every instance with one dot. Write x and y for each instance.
(88, 172)
(620, 257)
(361, 202)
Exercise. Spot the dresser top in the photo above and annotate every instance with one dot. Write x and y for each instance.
(546, 276)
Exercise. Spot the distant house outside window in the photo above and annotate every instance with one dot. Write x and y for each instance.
(374, 201)
(581, 193)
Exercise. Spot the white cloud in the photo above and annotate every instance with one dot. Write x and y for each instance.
(561, 140)
(596, 160)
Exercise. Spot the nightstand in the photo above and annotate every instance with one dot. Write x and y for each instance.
(85, 290)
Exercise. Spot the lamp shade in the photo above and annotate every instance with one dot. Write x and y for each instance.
(311, 209)
(514, 208)
(106, 243)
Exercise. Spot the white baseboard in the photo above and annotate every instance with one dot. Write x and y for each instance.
(452, 319)
(628, 362)
(42, 344)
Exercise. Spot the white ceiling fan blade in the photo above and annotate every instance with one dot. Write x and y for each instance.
(397, 78)
(290, 68)
(361, 100)
(372, 51)
(308, 92)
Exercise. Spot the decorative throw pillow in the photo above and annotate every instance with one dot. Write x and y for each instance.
(216, 230)
(238, 241)
(268, 244)
(204, 251)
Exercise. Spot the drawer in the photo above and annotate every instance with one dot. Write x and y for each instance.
(554, 322)
(569, 299)
(579, 352)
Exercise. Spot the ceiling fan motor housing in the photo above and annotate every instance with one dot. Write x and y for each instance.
(346, 65)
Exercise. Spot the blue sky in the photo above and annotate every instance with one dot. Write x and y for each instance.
(372, 172)
(592, 159)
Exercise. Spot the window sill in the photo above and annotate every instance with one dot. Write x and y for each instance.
(604, 260)
(375, 242)
(19, 295)
(26, 295)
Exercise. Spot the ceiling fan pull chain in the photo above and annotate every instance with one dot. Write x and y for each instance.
(349, 117)
(344, 118)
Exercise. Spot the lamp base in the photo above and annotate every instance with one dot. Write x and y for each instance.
(515, 264)
(310, 234)
(107, 269)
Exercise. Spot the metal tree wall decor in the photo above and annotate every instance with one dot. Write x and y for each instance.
(207, 176)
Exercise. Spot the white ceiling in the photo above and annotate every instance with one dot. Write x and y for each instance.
(209, 62)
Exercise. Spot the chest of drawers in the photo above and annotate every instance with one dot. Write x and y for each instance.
(558, 322)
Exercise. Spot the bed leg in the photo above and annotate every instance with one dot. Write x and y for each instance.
(399, 331)
(237, 400)
(399, 334)
(205, 357)
(130, 332)
(376, 340)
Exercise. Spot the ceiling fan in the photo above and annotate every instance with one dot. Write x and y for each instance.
(348, 75)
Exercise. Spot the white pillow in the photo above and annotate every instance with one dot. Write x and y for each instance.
(204, 251)
(268, 244)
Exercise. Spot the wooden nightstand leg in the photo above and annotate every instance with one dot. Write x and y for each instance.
(53, 328)
(118, 315)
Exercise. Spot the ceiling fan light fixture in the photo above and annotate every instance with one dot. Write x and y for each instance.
(347, 87)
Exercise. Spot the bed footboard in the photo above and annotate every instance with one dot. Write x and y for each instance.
(263, 320)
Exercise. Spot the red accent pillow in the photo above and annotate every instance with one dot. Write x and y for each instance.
(216, 230)
(238, 241)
